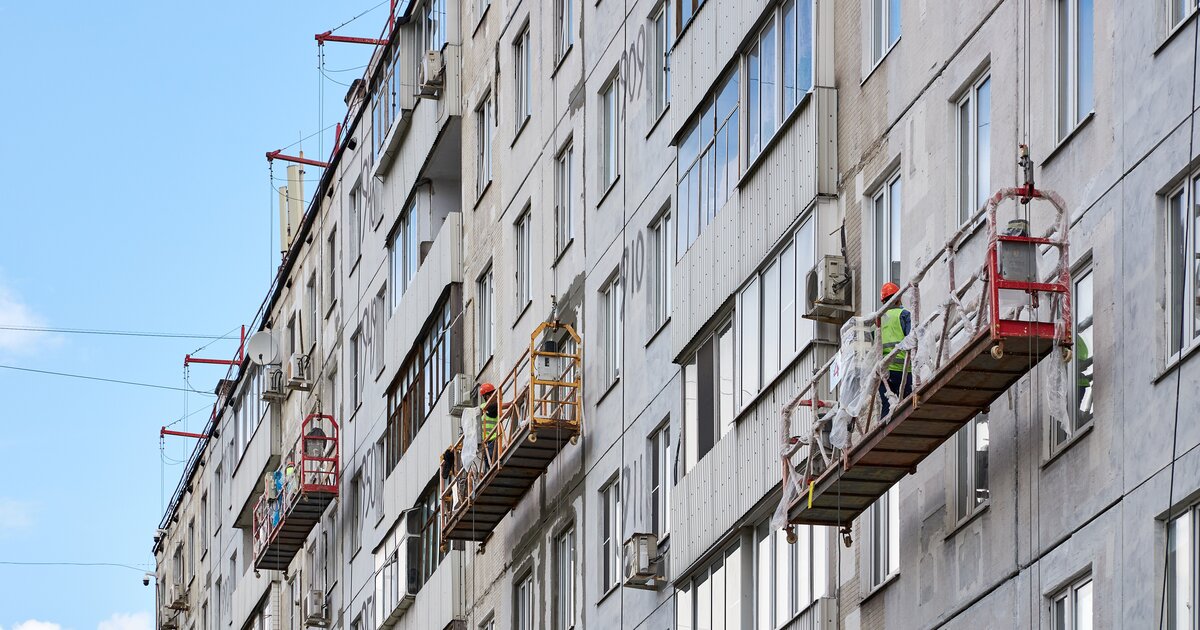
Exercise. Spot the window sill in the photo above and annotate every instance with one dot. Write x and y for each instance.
(1057, 451)
(520, 129)
(608, 190)
(479, 20)
(661, 116)
(562, 252)
(957, 527)
(879, 587)
(1174, 32)
(658, 330)
(561, 59)
(605, 595)
(329, 311)
(879, 62)
(1176, 360)
(484, 365)
(776, 138)
(482, 192)
(608, 390)
(1067, 138)
(354, 265)
(521, 313)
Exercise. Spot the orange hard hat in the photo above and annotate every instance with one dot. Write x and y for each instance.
(486, 389)
(888, 290)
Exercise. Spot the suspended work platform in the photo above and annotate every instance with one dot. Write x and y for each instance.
(296, 495)
(1015, 322)
(539, 405)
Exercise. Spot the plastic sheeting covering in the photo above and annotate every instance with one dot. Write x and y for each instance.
(470, 429)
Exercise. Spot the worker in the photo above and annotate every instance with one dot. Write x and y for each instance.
(1083, 382)
(894, 326)
(489, 415)
(448, 469)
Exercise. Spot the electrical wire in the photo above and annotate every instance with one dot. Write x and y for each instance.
(334, 29)
(103, 380)
(16, 563)
(115, 333)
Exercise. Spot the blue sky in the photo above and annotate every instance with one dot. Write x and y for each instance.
(134, 195)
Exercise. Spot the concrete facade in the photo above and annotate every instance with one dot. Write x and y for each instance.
(1090, 510)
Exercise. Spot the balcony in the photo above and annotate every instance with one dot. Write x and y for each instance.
(297, 494)
(539, 406)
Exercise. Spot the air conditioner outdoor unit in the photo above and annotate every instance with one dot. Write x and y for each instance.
(275, 383)
(168, 621)
(299, 372)
(177, 596)
(461, 394)
(827, 291)
(641, 561)
(315, 611)
(433, 74)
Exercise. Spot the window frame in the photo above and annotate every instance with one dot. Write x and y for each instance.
(331, 265)
(612, 304)
(881, 27)
(524, 602)
(663, 242)
(1067, 78)
(971, 169)
(693, 8)
(523, 269)
(485, 327)
(807, 570)
(662, 480)
(485, 125)
(718, 347)
(884, 544)
(565, 554)
(610, 535)
(564, 28)
(522, 79)
(610, 134)
(883, 203)
(966, 473)
(1174, 21)
(660, 21)
(1188, 316)
(1058, 439)
(564, 191)
(1068, 594)
(709, 135)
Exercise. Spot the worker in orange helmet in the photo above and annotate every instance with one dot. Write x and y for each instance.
(894, 326)
(489, 415)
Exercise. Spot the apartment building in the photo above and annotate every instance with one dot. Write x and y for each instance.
(665, 178)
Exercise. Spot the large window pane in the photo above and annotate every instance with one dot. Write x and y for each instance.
(1177, 220)
(770, 322)
(788, 293)
(749, 342)
(983, 142)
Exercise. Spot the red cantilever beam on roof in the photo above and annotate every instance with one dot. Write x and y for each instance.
(278, 155)
(328, 36)
(189, 359)
(166, 431)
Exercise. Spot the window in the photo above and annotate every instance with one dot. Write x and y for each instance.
(356, 510)
(885, 27)
(713, 597)
(564, 578)
(612, 316)
(191, 549)
(331, 264)
(773, 332)
(523, 62)
(1071, 608)
(484, 123)
(524, 271)
(435, 24)
(488, 624)
(788, 577)
(779, 66)
(1076, 97)
(610, 535)
(218, 479)
(708, 163)
(1177, 11)
(356, 376)
(403, 254)
(221, 609)
(887, 205)
(565, 12)
(708, 394)
(974, 148)
(523, 603)
(1183, 218)
(425, 524)
(314, 302)
(883, 551)
(1085, 350)
(662, 478)
(1182, 559)
(204, 616)
(686, 10)
(417, 386)
(660, 67)
(379, 323)
(663, 264)
(485, 318)
(389, 580)
(971, 468)
(564, 199)
(610, 106)
(762, 92)
(358, 222)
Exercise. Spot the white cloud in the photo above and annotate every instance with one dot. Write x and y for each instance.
(17, 515)
(122, 621)
(14, 312)
(34, 624)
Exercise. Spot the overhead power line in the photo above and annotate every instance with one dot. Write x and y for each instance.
(105, 380)
(118, 333)
(72, 564)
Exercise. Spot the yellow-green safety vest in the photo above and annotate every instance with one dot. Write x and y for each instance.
(1081, 355)
(489, 423)
(892, 333)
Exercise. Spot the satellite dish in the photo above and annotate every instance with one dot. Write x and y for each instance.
(262, 348)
